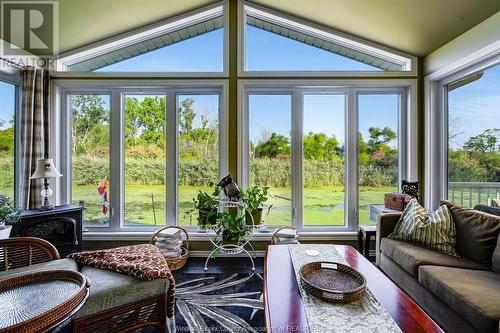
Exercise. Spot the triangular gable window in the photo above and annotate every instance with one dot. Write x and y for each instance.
(194, 43)
(275, 42)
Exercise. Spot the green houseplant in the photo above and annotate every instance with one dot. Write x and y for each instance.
(255, 197)
(9, 213)
(231, 227)
(207, 205)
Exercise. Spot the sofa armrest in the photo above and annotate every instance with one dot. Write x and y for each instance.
(385, 226)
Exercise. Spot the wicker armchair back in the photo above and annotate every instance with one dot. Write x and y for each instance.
(25, 251)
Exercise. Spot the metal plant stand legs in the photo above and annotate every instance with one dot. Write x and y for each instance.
(229, 249)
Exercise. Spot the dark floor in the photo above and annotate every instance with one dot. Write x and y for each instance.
(222, 265)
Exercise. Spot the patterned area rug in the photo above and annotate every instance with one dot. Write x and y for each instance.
(219, 303)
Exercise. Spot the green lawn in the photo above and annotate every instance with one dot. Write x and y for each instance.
(322, 205)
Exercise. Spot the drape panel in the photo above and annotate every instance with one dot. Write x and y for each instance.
(34, 128)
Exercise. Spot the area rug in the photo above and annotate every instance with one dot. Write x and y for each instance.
(219, 303)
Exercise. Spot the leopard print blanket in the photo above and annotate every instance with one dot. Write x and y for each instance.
(144, 261)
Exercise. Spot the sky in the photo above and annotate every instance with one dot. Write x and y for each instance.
(475, 106)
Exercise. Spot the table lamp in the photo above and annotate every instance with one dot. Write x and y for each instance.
(45, 169)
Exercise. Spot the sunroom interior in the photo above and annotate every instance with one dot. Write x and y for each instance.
(326, 109)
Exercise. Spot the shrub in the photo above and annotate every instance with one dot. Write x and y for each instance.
(90, 170)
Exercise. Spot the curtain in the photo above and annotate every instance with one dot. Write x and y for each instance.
(34, 126)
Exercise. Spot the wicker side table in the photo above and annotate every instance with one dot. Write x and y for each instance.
(365, 232)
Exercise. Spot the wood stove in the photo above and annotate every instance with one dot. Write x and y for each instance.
(61, 226)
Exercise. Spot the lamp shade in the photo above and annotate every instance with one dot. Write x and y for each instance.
(45, 168)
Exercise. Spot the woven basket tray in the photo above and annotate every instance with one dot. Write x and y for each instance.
(332, 282)
(35, 302)
(175, 263)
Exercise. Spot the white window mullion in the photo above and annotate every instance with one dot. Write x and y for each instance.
(297, 159)
(351, 211)
(117, 162)
(172, 158)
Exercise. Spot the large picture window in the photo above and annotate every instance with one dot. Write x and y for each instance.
(270, 159)
(378, 171)
(90, 142)
(327, 154)
(157, 117)
(474, 138)
(120, 147)
(324, 159)
(145, 159)
(198, 149)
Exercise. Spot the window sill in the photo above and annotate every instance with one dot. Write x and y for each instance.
(198, 236)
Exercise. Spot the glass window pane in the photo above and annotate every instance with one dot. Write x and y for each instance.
(270, 152)
(474, 139)
(323, 151)
(7, 138)
(198, 147)
(269, 51)
(145, 160)
(90, 132)
(378, 152)
(180, 57)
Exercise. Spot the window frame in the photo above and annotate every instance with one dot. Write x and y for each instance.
(244, 6)
(407, 136)
(17, 81)
(116, 42)
(116, 91)
(436, 120)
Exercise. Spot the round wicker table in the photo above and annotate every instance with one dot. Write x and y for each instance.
(40, 301)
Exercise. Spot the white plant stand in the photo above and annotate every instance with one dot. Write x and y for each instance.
(231, 249)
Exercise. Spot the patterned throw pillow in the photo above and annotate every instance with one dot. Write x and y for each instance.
(434, 230)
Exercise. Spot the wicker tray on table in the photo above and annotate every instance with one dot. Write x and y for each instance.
(174, 263)
(332, 281)
(37, 302)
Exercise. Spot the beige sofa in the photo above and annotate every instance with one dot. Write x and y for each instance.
(460, 294)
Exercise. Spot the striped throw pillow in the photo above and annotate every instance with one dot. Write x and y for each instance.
(434, 230)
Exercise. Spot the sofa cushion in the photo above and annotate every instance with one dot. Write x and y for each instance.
(410, 256)
(68, 264)
(434, 230)
(496, 257)
(488, 209)
(473, 294)
(109, 289)
(477, 233)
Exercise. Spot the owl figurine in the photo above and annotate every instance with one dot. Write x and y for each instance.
(231, 189)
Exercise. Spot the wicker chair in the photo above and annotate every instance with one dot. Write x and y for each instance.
(25, 251)
(149, 311)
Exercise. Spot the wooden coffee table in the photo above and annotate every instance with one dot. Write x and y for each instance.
(283, 304)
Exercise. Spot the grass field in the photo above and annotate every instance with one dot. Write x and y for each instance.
(322, 205)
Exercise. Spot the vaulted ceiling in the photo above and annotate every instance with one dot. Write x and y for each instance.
(417, 27)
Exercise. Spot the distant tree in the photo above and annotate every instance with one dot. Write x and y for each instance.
(145, 121)
(277, 145)
(88, 115)
(364, 154)
(380, 137)
(186, 115)
(318, 146)
(485, 142)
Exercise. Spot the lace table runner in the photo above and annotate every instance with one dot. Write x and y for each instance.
(365, 315)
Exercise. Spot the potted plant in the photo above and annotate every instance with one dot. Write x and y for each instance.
(207, 205)
(9, 215)
(231, 227)
(255, 197)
